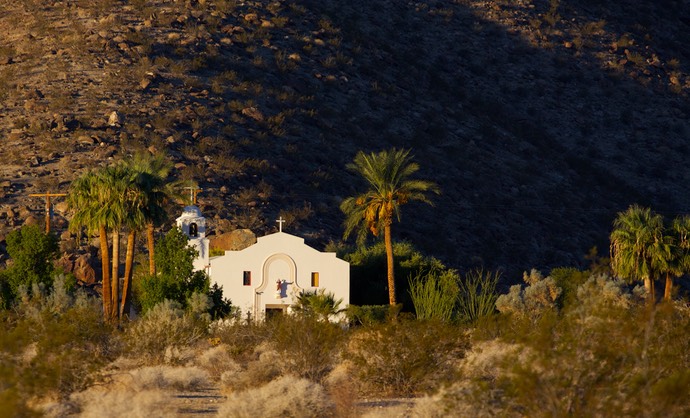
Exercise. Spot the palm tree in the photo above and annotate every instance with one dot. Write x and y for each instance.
(680, 230)
(149, 192)
(118, 197)
(86, 198)
(388, 174)
(151, 177)
(638, 248)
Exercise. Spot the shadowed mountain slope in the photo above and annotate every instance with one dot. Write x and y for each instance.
(539, 120)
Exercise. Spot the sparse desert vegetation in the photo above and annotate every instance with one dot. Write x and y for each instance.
(571, 343)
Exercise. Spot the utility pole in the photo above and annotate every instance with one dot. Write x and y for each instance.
(47, 197)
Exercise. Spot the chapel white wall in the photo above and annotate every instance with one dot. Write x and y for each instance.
(286, 254)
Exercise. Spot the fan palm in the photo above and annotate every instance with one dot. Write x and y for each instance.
(389, 177)
(149, 192)
(151, 173)
(639, 249)
(680, 230)
(86, 199)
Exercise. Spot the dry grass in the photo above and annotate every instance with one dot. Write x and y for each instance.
(286, 396)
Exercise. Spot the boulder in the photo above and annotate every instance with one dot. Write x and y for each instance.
(236, 240)
(82, 266)
(84, 269)
(31, 220)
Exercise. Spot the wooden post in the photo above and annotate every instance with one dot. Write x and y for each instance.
(47, 197)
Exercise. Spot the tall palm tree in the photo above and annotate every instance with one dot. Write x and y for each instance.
(390, 185)
(151, 173)
(639, 250)
(86, 199)
(149, 192)
(680, 231)
(118, 195)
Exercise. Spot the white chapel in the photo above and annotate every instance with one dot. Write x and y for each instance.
(266, 277)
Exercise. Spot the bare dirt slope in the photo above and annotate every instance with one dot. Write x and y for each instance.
(539, 119)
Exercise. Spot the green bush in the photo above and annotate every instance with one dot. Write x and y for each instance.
(176, 279)
(368, 271)
(371, 314)
(32, 253)
(568, 279)
(405, 357)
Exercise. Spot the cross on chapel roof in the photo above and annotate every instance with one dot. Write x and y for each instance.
(280, 224)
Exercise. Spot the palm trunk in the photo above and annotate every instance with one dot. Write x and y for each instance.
(115, 283)
(129, 265)
(389, 260)
(669, 287)
(150, 243)
(649, 287)
(105, 272)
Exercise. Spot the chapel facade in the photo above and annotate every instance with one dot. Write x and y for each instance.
(266, 278)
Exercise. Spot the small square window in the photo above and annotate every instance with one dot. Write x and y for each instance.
(247, 278)
(315, 279)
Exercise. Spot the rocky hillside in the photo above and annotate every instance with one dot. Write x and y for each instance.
(538, 119)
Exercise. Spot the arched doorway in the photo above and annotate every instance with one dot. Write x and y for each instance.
(277, 268)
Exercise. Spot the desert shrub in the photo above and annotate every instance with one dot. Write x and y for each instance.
(216, 361)
(308, 347)
(477, 295)
(104, 402)
(405, 357)
(166, 377)
(371, 314)
(435, 294)
(567, 279)
(607, 352)
(165, 327)
(531, 301)
(49, 346)
(284, 397)
(240, 338)
(263, 367)
(601, 291)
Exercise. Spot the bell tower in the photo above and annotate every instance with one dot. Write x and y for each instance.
(193, 225)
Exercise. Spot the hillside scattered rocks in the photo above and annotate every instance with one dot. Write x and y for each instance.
(539, 120)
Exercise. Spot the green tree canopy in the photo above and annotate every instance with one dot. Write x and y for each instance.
(175, 278)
